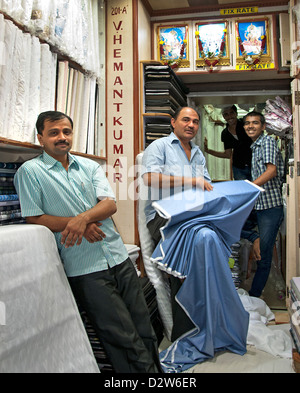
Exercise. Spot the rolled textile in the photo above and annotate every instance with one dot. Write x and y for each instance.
(13, 92)
(2, 52)
(46, 79)
(6, 78)
(34, 90)
(195, 245)
(22, 90)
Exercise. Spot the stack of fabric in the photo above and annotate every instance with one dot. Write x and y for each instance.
(164, 91)
(279, 118)
(294, 310)
(27, 82)
(235, 265)
(150, 296)
(161, 127)
(10, 210)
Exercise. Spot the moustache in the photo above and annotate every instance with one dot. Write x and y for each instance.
(62, 143)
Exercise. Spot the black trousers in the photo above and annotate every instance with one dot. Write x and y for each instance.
(181, 322)
(115, 304)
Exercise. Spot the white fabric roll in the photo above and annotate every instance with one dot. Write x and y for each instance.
(6, 78)
(46, 78)
(22, 90)
(34, 89)
(42, 329)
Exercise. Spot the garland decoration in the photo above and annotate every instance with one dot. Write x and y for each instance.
(172, 63)
(248, 58)
(207, 59)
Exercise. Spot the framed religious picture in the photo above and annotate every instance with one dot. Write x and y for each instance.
(212, 47)
(253, 43)
(173, 45)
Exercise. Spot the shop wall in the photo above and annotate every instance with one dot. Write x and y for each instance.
(144, 34)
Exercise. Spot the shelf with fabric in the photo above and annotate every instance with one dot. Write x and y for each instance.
(32, 81)
(162, 92)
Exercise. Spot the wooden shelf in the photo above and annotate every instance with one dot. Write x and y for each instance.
(10, 146)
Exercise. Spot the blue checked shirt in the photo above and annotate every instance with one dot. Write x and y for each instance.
(166, 156)
(265, 151)
(45, 187)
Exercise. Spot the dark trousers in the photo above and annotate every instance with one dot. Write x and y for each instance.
(181, 322)
(115, 304)
(269, 221)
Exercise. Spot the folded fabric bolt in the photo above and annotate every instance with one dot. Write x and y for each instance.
(195, 245)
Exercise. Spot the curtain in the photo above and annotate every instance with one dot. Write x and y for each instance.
(218, 168)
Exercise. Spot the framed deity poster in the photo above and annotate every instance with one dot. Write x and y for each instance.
(212, 44)
(173, 45)
(253, 42)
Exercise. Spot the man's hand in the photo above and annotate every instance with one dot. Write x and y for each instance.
(200, 182)
(93, 233)
(74, 231)
(205, 145)
(256, 249)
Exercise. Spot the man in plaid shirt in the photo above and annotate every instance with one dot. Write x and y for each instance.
(267, 172)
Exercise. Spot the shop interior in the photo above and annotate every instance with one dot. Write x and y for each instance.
(209, 92)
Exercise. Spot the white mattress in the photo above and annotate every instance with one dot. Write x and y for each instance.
(40, 328)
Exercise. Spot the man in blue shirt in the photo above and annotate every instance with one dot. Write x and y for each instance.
(267, 172)
(170, 165)
(72, 197)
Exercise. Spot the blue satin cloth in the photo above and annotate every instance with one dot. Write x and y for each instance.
(195, 245)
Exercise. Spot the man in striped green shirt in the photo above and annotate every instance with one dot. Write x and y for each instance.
(72, 197)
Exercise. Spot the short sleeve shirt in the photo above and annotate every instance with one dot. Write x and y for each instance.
(45, 187)
(266, 151)
(241, 146)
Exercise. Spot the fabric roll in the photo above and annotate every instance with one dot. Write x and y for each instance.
(27, 70)
(6, 79)
(13, 91)
(70, 91)
(62, 85)
(53, 81)
(46, 79)
(34, 90)
(82, 132)
(22, 90)
(196, 245)
(2, 34)
(78, 96)
(92, 113)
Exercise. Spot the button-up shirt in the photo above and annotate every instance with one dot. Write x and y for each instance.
(167, 156)
(265, 151)
(45, 187)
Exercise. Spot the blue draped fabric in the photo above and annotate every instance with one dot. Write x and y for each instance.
(195, 245)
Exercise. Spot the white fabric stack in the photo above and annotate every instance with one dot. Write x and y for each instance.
(27, 82)
(71, 26)
(41, 330)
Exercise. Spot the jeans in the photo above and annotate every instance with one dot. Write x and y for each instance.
(269, 221)
(241, 174)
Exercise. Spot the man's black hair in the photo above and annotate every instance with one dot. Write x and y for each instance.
(51, 116)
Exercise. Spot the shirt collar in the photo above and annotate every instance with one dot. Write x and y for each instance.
(174, 139)
(258, 141)
(51, 162)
